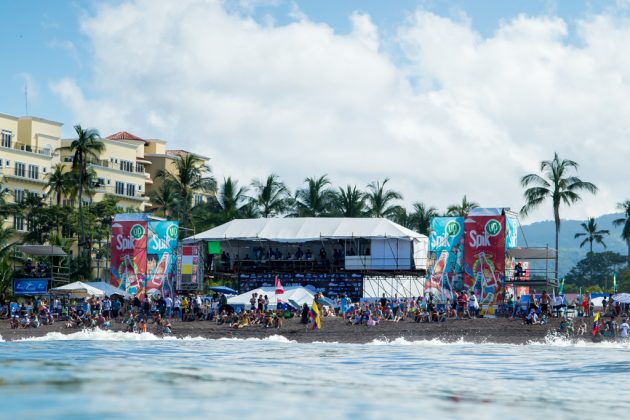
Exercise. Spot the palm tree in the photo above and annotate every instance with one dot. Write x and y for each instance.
(625, 222)
(58, 183)
(191, 175)
(315, 199)
(231, 199)
(85, 148)
(164, 199)
(379, 200)
(271, 196)
(591, 234)
(555, 184)
(462, 209)
(349, 202)
(420, 218)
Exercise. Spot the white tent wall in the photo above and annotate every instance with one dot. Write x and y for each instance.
(420, 253)
(403, 286)
(390, 254)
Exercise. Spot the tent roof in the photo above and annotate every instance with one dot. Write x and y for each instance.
(108, 289)
(42, 250)
(302, 229)
(299, 295)
(77, 288)
(532, 253)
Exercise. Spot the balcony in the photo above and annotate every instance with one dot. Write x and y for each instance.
(24, 176)
(27, 148)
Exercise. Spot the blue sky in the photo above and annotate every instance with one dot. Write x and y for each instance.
(446, 98)
(43, 42)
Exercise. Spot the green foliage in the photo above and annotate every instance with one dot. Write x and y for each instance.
(6, 276)
(380, 200)
(461, 209)
(625, 222)
(591, 234)
(314, 200)
(596, 269)
(271, 197)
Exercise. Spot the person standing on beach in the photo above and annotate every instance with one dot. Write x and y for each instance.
(623, 330)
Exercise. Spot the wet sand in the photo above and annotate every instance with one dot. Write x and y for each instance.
(502, 330)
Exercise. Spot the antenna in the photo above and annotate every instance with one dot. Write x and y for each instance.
(26, 98)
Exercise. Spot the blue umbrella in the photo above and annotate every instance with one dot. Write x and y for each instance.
(224, 289)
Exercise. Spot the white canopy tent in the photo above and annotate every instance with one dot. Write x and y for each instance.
(108, 289)
(297, 295)
(77, 289)
(392, 246)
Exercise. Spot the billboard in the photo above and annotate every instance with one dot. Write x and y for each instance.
(511, 230)
(484, 256)
(30, 287)
(162, 256)
(129, 252)
(190, 268)
(447, 242)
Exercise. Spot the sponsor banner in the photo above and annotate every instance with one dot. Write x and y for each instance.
(447, 242)
(484, 256)
(511, 231)
(161, 256)
(331, 284)
(190, 268)
(30, 287)
(129, 253)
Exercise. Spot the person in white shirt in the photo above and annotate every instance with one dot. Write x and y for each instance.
(169, 307)
(623, 329)
(473, 305)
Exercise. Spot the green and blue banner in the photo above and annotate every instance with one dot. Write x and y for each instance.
(162, 256)
(447, 242)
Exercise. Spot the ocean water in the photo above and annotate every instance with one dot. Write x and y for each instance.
(119, 375)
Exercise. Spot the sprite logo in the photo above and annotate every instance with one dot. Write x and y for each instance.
(493, 227)
(452, 228)
(171, 232)
(137, 232)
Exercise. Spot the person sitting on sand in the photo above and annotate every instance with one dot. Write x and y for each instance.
(532, 317)
(15, 323)
(167, 329)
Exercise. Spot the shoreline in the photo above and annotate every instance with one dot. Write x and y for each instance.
(336, 330)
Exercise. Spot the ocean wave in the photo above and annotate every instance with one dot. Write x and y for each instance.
(102, 335)
(272, 338)
(559, 340)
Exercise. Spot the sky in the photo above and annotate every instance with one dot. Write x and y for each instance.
(445, 98)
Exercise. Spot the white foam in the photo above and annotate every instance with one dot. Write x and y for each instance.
(272, 338)
(101, 335)
(402, 341)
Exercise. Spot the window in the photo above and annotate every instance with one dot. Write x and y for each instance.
(198, 199)
(33, 171)
(1, 163)
(19, 195)
(140, 167)
(68, 159)
(20, 169)
(131, 190)
(99, 182)
(126, 166)
(139, 187)
(44, 169)
(18, 222)
(109, 181)
(6, 138)
(120, 188)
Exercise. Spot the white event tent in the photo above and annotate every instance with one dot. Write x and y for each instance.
(77, 289)
(392, 246)
(294, 295)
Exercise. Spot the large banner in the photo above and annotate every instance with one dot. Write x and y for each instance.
(129, 252)
(30, 287)
(447, 242)
(331, 284)
(162, 257)
(190, 268)
(511, 230)
(484, 256)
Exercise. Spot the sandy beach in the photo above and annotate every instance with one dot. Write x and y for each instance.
(337, 330)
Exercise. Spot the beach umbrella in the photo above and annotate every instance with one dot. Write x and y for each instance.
(622, 297)
(279, 288)
(224, 289)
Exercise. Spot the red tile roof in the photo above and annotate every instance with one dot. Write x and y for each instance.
(124, 135)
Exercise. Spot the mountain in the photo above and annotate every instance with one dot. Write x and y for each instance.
(542, 234)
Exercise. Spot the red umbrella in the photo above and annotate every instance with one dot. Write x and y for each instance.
(279, 288)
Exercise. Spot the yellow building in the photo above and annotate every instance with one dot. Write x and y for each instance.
(163, 159)
(120, 170)
(27, 154)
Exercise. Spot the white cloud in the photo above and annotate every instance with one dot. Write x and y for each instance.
(463, 114)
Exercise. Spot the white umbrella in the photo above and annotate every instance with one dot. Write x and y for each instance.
(77, 289)
(622, 297)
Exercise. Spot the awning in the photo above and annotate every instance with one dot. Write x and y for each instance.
(532, 253)
(42, 250)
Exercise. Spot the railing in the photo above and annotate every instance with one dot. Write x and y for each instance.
(43, 151)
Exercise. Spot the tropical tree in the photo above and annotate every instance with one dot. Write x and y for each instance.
(58, 183)
(461, 209)
(420, 218)
(625, 223)
(591, 234)
(191, 175)
(86, 148)
(557, 185)
(349, 202)
(231, 199)
(380, 200)
(315, 199)
(164, 199)
(271, 196)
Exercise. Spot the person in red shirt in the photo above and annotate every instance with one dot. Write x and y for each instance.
(462, 304)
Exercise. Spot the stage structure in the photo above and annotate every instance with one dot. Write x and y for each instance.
(333, 255)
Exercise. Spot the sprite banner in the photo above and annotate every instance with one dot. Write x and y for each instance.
(446, 241)
(129, 252)
(162, 256)
(484, 256)
(511, 230)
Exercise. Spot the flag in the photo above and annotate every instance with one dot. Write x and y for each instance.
(615, 283)
(595, 324)
(279, 288)
(314, 313)
(561, 287)
(580, 295)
